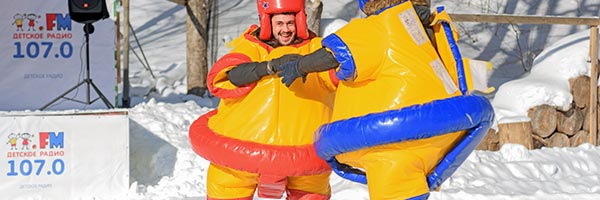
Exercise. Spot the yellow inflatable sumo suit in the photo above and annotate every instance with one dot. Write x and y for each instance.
(261, 134)
(396, 66)
(388, 62)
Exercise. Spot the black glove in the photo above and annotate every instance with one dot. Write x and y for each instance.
(273, 64)
(251, 72)
(318, 61)
(289, 72)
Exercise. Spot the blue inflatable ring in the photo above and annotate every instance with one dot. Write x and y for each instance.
(472, 113)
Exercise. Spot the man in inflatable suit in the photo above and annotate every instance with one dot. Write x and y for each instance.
(385, 61)
(261, 135)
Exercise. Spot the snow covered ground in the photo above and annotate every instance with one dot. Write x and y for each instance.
(512, 173)
(163, 165)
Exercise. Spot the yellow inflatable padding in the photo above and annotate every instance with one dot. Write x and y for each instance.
(445, 53)
(222, 81)
(272, 113)
(242, 46)
(443, 16)
(396, 63)
(397, 66)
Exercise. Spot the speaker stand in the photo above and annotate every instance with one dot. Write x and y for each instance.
(88, 29)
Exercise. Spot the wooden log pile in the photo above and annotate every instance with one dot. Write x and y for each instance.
(548, 126)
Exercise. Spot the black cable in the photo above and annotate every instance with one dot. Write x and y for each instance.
(143, 64)
(147, 65)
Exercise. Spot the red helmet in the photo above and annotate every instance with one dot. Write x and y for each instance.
(268, 7)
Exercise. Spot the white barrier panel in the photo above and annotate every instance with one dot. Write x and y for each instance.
(42, 55)
(64, 156)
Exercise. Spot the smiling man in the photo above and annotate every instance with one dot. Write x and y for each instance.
(260, 138)
(284, 28)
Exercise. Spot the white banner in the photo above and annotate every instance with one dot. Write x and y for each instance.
(42, 55)
(64, 156)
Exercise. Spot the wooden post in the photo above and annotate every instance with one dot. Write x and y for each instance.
(593, 85)
(118, 50)
(197, 37)
(126, 100)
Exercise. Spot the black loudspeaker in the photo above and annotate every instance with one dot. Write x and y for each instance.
(87, 11)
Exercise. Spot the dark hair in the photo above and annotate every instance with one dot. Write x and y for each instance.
(283, 13)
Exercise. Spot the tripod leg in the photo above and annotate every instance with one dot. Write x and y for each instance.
(62, 95)
(88, 29)
(104, 99)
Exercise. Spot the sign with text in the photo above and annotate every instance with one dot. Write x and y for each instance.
(43, 55)
(64, 156)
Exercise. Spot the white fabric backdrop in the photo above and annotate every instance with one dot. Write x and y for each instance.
(45, 56)
(64, 156)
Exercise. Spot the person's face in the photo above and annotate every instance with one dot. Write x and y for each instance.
(284, 28)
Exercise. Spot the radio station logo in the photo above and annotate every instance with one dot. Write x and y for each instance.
(46, 36)
(41, 26)
(38, 154)
(53, 21)
(28, 145)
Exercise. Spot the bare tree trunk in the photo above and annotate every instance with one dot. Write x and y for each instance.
(197, 37)
(314, 8)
